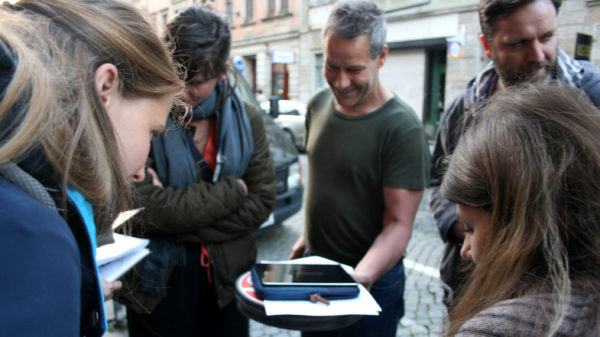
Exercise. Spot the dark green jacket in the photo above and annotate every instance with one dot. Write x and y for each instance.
(218, 214)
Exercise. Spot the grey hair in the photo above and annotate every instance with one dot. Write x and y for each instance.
(351, 18)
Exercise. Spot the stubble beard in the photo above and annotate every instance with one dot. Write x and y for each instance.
(522, 76)
(361, 93)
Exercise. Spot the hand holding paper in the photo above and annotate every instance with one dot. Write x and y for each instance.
(116, 258)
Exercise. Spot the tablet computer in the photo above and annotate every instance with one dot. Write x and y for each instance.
(297, 274)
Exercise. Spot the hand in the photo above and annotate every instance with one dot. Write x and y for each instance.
(244, 186)
(363, 278)
(298, 249)
(155, 179)
(108, 288)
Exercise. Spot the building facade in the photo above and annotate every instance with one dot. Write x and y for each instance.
(434, 44)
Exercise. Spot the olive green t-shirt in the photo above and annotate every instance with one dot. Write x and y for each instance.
(350, 160)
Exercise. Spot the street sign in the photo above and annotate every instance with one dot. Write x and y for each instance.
(239, 64)
(282, 56)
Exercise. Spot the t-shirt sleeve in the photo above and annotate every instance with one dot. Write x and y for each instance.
(406, 162)
(40, 284)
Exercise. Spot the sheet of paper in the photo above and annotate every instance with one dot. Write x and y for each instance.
(124, 216)
(113, 270)
(363, 304)
(122, 246)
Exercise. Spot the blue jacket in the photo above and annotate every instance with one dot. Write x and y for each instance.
(48, 280)
(48, 284)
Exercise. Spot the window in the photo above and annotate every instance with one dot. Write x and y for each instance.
(318, 72)
(271, 8)
(249, 10)
(229, 12)
(277, 7)
(164, 15)
(593, 2)
(319, 2)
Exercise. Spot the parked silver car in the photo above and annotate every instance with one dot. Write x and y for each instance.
(290, 119)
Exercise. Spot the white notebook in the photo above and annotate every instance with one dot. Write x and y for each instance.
(116, 258)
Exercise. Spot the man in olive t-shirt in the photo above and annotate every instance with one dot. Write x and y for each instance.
(351, 158)
(368, 163)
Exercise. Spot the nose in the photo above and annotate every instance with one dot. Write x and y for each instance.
(536, 52)
(139, 175)
(188, 93)
(342, 81)
(465, 251)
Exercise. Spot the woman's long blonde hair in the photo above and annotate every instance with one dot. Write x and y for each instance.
(532, 159)
(51, 102)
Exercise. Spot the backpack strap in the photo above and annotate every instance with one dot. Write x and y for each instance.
(16, 175)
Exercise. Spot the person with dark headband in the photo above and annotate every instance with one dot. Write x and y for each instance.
(212, 183)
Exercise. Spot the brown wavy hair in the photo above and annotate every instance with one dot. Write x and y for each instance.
(57, 46)
(491, 10)
(532, 160)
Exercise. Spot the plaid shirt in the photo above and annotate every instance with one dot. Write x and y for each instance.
(457, 118)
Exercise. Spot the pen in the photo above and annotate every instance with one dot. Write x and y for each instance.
(317, 298)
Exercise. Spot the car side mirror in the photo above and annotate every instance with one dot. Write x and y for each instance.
(274, 106)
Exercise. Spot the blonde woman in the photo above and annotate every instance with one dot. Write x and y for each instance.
(84, 85)
(526, 178)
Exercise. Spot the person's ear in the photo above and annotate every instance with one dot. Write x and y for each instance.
(486, 46)
(224, 75)
(106, 81)
(382, 56)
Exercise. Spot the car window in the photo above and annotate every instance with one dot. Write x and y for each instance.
(242, 88)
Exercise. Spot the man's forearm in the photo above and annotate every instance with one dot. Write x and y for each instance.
(385, 252)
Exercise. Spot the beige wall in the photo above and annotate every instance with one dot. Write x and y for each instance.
(299, 31)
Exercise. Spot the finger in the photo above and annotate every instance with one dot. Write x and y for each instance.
(116, 285)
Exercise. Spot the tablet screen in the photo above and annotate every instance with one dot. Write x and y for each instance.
(292, 274)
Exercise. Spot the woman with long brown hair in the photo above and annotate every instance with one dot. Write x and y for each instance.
(526, 178)
(83, 87)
